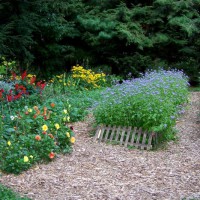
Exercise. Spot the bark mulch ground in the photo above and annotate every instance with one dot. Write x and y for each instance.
(103, 171)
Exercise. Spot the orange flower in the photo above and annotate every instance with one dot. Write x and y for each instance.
(37, 137)
(35, 108)
(52, 105)
(49, 113)
(45, 111)
(44, 132)
(51, 136)
(51, 155)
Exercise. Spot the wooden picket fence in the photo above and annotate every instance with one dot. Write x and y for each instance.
(127, 136)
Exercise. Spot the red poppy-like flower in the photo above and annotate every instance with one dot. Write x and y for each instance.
(52, 155)
(37, 137)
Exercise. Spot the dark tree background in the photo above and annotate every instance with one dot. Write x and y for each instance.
(128, 36)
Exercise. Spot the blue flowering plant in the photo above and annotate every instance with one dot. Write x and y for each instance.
(152, 102)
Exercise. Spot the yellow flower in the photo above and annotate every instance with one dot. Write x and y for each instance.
(72, 140)
(68, 118)
(65, 111)
(68, 134)
(26, 159)
(44, 127)
(31, 156)
(9, 143)
(30, 110)
(57, 126)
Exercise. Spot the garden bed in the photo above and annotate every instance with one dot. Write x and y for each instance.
(101, 171)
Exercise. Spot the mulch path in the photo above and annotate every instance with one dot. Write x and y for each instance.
(103, 171)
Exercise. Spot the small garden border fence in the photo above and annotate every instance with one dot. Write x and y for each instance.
(127, 136)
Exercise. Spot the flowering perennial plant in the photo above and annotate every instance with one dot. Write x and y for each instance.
(87, 78)
(24, 85)
(152, 102)
(32, 134)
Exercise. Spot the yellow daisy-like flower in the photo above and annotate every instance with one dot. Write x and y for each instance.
(72, 140)
(30, 110)
(26, 159)
(68, 134)
(44, 127)
(57, 126)
(9, 143)
(65, 111)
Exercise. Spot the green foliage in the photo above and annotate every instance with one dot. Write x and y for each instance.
(152, 102)
(33, 129)
(128, 36)
(33, 132)
(8, 194)
(82, 103)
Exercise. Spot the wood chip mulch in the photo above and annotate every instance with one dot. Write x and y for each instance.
(104, 171)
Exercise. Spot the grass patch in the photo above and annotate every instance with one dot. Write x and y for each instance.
(8, 194)
(194, 89)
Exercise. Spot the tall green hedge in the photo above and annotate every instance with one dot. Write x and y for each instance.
(128, 36)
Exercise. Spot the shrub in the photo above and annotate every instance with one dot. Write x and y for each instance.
(32, 134)
(152, 102)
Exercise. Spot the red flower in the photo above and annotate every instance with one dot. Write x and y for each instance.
(41, 85)
(18, 96)
(32, 80)
(51, 155)
(9, 97)
(37, 137)
(23, 75)
(71, 127)
(44, 132)
(1, 93)
(16, 86)
(34, 116)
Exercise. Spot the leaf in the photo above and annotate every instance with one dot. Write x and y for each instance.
(29, 120)
(9, 130)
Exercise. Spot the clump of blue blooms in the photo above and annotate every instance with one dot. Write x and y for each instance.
(152, 102)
